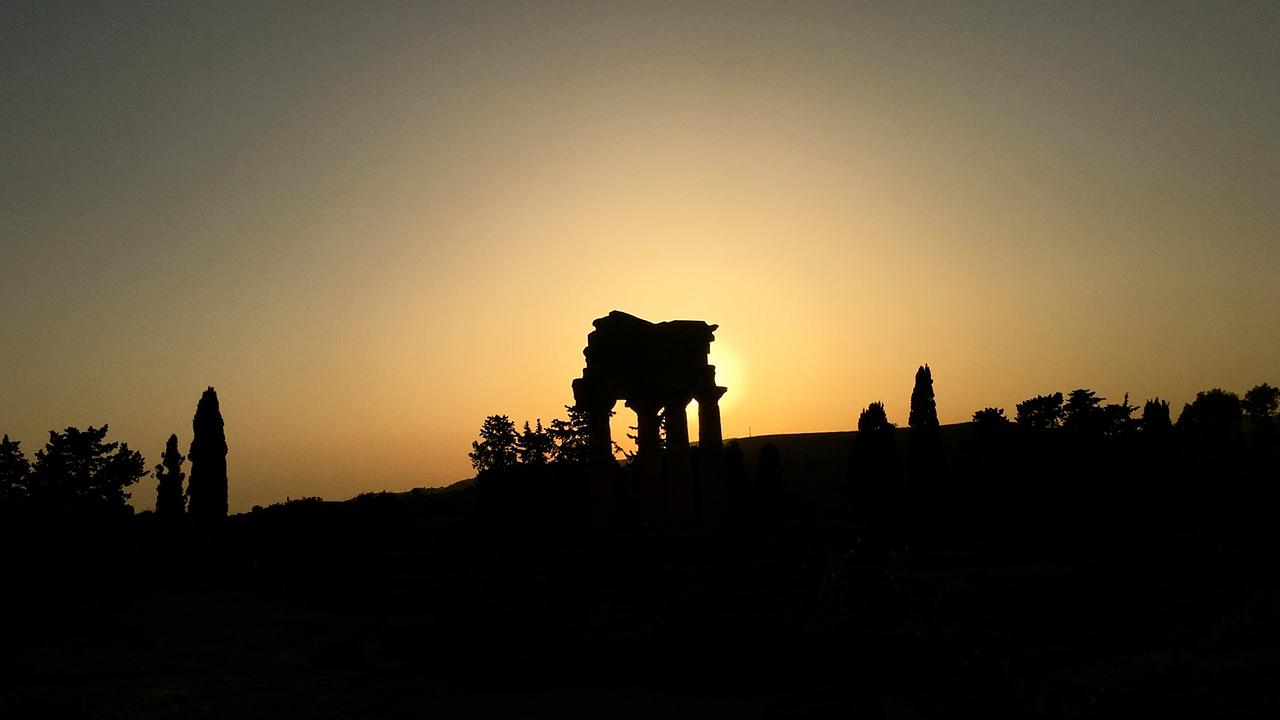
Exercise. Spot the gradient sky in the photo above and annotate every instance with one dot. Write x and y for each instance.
(369, 225)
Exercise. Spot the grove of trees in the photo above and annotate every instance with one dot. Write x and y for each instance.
(80, 476)
(76, 474)
(501, 446)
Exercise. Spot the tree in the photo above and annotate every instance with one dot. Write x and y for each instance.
(1261, 403)
(207, 486)
(1117, 420)
(924, 411)
(990, 417)
(925, 458)
(78, 472)
(571, 438)
(13, 470)
(1155, 416)
(874, 475)
(873, 419)
(1214, 412)
(534, 446)
(170, 502)
(1042, 412)
(496, 449)
(1081, 412)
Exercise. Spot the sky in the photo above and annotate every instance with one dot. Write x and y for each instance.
(371, 224)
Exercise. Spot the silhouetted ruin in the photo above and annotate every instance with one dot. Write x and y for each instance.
(654, 367)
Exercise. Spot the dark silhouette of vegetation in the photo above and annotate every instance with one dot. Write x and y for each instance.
(1214, 412)
(207, 486)
(873, 419)
(926, 460)
(572, 437)
(874, 476)
(170, 500)
(990, 417)
(1261, 403)
(563, 442)
(1086, 417)
(1155, 417)
(1118, 420)
(13, 471)
(79, 473)
(924, 411)
(1082, 412)
(534, 446)
(496, 450)
(1042, 412)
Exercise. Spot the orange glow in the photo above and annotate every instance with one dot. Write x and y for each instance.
(371, 242)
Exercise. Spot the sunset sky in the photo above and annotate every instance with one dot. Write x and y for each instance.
(370, 225)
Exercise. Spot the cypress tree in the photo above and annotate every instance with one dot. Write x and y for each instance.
(924, 487)
(207, 488)
(924, 411)
(169, 476)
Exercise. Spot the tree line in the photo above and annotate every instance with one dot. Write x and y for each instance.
(80, 475)
(1059, 454)
(1065, 462)
(501, 446)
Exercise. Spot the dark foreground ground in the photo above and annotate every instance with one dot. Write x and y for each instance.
(1028, 576)
(682, 627)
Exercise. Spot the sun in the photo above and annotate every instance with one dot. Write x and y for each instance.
(729, 372)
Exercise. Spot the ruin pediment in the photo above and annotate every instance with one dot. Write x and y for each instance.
(629, 358)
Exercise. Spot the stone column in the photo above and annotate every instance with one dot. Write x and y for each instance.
(677, 473)
(601, 449)
(711, 495)
(709, 432)
(603, 488)
(648, 462)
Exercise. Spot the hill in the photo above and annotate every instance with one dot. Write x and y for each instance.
(817, 461)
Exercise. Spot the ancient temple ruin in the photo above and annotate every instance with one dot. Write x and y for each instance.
(655, 367)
